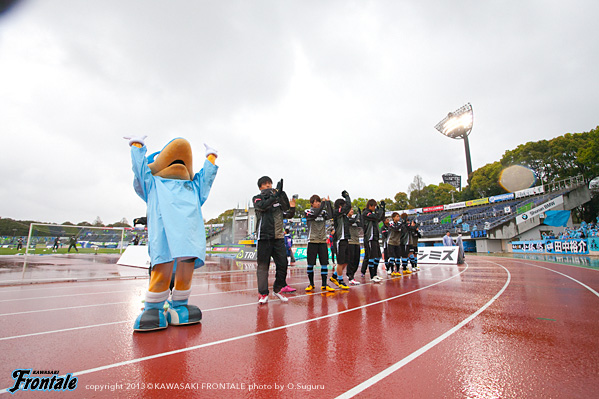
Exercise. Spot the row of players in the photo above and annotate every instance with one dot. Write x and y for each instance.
(273, 206)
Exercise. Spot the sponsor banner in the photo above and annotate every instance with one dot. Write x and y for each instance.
(539, 209)
(300, 253)
(438, 255)
(529, 246)
(455, 205)
(225, 249)
(579, 246)
(524, 208)
(502, 197)
(480, 201)
(436, 208)
(406, 211)
(529, 191)
(573, 246)
(478, 234)
(248, 253)
(99, 244)
(251, 254)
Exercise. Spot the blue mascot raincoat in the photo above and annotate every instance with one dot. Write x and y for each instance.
(175, 223)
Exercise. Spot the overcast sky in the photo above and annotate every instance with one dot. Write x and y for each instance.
(329, 95)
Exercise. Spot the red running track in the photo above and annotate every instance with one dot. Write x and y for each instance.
(493, 328)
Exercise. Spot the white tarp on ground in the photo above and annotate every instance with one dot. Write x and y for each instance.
(135, 255)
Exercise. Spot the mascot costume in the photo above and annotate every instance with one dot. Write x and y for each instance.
(176, 236)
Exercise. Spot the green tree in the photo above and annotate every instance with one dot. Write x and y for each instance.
(416, 185)
(588, 155)
(98, 222)
(223, 218)
(444, 194)
(301, 205)
(485, 181)
(401, 201)
(122, 223)
(359, 203)
(533, 155)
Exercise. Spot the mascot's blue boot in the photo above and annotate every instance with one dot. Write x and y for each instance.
(152, 318)
(180, 313)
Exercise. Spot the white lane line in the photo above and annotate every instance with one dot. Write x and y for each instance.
(188, 349)
(131, 321)
(111, 303)
(113, 292)
(551, 262)
(104, 280)
(124, 280)
(126, 302)
(118, 303)
(565, 275)
(390, 370)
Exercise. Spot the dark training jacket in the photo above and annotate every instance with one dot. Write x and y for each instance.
(370, 221)
(271, 208)
(316, 219)
(341, 221)
(354, 229)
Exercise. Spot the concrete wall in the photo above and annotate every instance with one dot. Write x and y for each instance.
(577, 197)
(484, 246)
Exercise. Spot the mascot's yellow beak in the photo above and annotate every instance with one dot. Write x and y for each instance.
(174, 161)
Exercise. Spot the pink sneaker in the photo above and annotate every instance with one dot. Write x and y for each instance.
(288, 289)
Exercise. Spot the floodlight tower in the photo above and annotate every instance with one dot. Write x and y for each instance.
(458, 125)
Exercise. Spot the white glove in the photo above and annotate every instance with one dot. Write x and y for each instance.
(136, 139)
(210, 150)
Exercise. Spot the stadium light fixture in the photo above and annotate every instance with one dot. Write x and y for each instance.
(458, 125)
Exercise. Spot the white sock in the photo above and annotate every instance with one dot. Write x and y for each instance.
(157, 296)
(181, 295)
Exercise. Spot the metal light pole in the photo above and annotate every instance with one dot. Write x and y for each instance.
(458, 125)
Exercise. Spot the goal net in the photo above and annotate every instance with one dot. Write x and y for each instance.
(58, 238)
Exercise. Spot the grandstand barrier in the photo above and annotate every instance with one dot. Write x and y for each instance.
(573, 246)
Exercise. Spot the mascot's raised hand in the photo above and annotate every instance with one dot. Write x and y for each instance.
(176, 238)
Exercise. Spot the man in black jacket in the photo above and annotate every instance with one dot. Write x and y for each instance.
(372, 215)
(272, 206)
(341, 208)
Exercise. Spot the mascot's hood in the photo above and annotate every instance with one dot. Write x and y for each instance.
(174, 161)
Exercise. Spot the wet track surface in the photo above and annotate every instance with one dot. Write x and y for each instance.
(494, 327)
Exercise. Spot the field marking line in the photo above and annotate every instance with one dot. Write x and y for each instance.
(132, 320)
(390, 370)
(254, 334)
